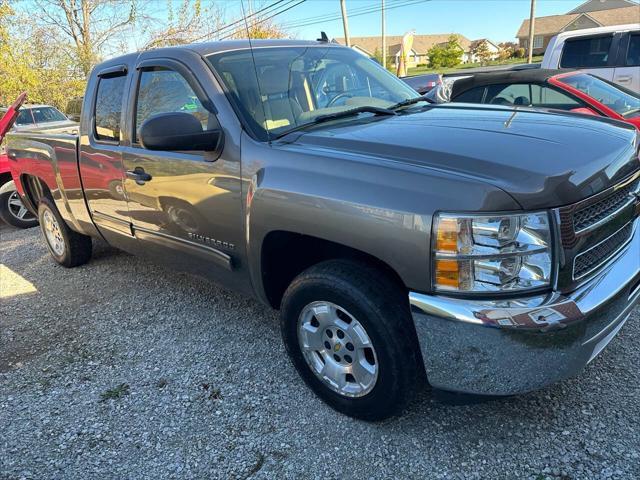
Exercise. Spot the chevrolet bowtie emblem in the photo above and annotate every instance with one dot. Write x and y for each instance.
(336, 347)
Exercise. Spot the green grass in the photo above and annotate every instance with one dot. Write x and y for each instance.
(462, 67)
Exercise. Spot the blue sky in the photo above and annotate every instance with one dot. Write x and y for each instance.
(497, 20)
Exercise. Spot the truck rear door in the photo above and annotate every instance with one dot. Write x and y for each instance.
(184, 206)
(100, 155)
(627, 71)
(595, 54)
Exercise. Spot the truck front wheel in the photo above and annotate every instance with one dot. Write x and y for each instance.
(67, 247)
(349, 333)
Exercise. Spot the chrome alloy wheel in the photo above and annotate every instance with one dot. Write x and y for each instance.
(53, 233)
(17, 208)
(338, 349)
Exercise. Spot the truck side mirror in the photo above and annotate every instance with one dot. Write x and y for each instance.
(176, 131)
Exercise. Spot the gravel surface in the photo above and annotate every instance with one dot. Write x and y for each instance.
(121, 369)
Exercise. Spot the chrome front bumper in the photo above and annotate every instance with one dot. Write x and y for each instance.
(518, 345)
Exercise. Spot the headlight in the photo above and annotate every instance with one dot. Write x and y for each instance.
(491, 253)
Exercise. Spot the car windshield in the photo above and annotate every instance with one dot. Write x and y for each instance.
(47, 114)
(300, 84)
(619, 99)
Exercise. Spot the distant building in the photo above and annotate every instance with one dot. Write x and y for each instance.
(494, 50)
(590, 14)
(372, 47)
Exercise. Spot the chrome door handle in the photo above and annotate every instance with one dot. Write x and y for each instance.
(623, 78)
(139, 175)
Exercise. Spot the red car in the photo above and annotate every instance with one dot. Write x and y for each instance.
(12, 210)
(570, 91)
(603, 98)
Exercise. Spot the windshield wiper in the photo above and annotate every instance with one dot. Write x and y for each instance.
(410, 101)
(336, 115)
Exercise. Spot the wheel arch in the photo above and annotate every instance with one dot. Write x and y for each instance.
(285, 254)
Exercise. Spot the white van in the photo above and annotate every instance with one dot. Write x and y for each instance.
(612, 53)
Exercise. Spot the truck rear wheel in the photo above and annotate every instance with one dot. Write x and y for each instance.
(349, 333)
(67, 247)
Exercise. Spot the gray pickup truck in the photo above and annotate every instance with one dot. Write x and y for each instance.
(490, 250)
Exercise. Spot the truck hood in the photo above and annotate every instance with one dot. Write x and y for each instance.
(541, 159)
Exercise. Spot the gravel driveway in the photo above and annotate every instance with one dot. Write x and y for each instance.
(120, 369)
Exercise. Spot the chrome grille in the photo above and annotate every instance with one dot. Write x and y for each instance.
(591, 215)
(593, 258)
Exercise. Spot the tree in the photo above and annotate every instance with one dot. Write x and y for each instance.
(192, 22)
(481, 52)
(31, 61)
(377, 55)
(88, 26)
(260, 29)
(446, 55)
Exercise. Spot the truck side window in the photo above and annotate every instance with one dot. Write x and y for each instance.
(163, 91)
(592, 52)
(109, 108)
(633, 52)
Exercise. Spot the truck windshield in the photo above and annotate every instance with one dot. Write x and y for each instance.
(619, 99)
(299, 84)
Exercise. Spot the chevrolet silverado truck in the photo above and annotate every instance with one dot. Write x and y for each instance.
(491, 250)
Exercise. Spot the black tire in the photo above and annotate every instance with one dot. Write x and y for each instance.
(27, 221)
(76, 247)
(382, 308)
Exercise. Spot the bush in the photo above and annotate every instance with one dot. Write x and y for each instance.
(519, 53)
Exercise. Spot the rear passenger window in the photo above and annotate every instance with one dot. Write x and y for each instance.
(109, 108)
(592, 52)
(163, 91)
(514, 94)
(633, 52)
(473, 95)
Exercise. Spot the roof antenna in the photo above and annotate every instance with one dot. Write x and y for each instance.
(255, 70)
(323, 38)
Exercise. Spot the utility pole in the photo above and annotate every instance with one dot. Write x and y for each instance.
(384, 40)
(532, 20)
(345, 23)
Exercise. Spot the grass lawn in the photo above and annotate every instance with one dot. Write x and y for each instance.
(510, 61)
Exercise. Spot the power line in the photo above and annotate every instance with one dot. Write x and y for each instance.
(257, 12)
(262, 20)
(355, 13)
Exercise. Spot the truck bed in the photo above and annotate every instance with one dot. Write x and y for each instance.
(52, 157)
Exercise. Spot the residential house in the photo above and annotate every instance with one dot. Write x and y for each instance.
(590, 14)
(372, 47)
(494, 50)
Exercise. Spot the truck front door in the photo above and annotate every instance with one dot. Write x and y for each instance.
(184, 206)
(100, 161)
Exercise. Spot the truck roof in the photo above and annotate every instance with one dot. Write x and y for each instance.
(208, 48)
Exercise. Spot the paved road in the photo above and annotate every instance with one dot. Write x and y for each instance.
(120, 369)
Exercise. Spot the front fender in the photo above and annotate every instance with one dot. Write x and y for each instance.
(384, 209)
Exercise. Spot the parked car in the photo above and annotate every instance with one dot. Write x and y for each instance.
(38, 117)
(423, 83)
(576, 92)
(612, 53)
(12, 210)
(73, 110)
(495, 249)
